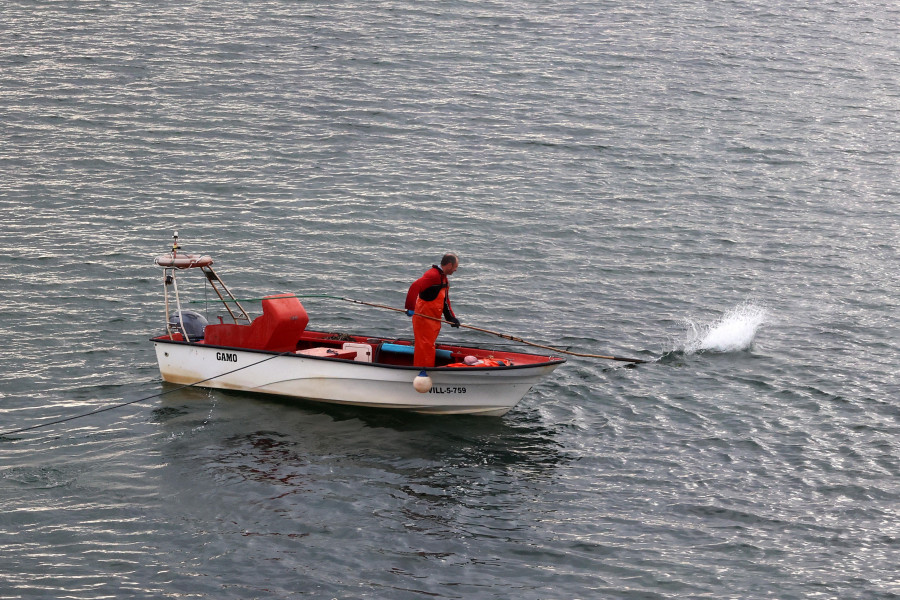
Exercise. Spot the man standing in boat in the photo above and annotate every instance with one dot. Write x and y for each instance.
(429, 296)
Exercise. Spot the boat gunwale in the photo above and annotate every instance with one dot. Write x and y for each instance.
(288, 354)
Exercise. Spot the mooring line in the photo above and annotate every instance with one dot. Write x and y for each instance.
(104, 409)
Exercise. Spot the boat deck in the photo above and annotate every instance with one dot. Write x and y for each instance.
(380, 351)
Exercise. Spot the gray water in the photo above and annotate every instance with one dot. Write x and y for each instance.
(708, 186)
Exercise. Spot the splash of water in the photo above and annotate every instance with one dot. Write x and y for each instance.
(734, 332)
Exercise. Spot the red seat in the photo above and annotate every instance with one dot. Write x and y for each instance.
(278, 329)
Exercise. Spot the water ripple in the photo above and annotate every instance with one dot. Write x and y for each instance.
(710, 188)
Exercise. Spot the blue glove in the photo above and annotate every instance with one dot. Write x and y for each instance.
(410, 312)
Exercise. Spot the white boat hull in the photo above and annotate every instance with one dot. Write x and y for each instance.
(481, 391)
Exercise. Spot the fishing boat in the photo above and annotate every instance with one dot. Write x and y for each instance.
(276, 353)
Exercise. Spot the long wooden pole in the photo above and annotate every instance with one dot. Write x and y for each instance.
(497, 333)
(502, 335)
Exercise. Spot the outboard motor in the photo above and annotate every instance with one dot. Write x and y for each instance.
(194, 324)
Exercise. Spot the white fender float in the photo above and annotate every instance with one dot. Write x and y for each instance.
(422, 382)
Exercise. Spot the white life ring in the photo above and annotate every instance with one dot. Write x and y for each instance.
(183, 261)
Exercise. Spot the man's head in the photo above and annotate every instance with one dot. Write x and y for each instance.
(449, 263)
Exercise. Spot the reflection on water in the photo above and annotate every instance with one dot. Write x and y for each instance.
(317, 433)
(309, 478)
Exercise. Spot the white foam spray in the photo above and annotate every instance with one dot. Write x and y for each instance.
(734, 332)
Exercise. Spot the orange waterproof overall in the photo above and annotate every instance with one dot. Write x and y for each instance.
(426, 330)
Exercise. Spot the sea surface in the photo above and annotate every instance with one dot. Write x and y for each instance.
(708, 186)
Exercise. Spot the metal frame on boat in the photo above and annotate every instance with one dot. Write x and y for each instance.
(275, 353)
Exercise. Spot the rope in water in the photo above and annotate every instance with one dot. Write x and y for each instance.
(123, 404)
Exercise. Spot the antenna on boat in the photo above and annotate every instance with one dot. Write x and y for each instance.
(177, 261)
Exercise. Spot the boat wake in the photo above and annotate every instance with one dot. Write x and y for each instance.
(734, 332)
